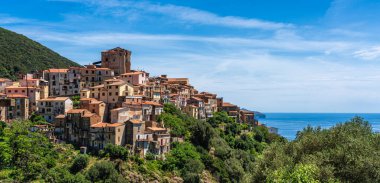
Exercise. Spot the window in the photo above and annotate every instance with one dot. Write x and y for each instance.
(116, 93)
(103, 94)
(23, 91)
(110, 94)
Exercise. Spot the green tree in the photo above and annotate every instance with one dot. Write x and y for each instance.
(80, 163)
(2, 127)
(104, 171)
(176, 125)
(31, 152)
(220, 118)
(115, 152)
(37, 119)
(347, 152)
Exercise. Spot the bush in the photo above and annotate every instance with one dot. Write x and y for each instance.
(104, 171)
(80, 163)
(114, 152)
(2, 127)
(347, 152)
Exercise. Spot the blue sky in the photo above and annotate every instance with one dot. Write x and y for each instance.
(270, 56)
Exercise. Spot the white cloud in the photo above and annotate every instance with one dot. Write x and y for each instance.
(278, 43)
(368, 54)
(190, 15)
(6, 19)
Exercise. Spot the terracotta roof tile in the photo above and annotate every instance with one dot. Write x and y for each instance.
(135, 121)
(103, 125)
(57, 70)
(16, 96)
(61, 99)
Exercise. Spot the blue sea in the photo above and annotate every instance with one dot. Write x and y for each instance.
(289, 123)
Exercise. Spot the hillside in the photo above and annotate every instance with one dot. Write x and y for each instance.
(19, 54)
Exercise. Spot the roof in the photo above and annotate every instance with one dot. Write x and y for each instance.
(57, 70)
(20, 87)
(29, 79)
(151, 103)
(59, 99)
(96, 102)
(84, 99)
(113, 79)
(90, 67)
(16, 96)
(5, 80)
(156, 129)
(98, 86)
(246, 111)
(116, 49)
(102, 125)
(135, 121)
(118, 109)
(77, 111)
(226, 104)
(88, 114)
(132, 73)
(197, 98)
(60, 116)
(178, 79)
(117, 83)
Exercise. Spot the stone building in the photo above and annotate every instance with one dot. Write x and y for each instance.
(77, 125)
(51, 107)
(107, 133)
(247, 117)
(4, 83)
(95, 106)
(32, 93)
(62, 82)
(117, 59)
(111, 92)
(14, 106)
(135, 77)
(90, 75)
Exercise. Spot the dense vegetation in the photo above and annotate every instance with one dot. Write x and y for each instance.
(216, 150)
(19, 54)
(348, 152)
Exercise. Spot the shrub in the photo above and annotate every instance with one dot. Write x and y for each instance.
(115, 152)
(104, 171)
(80, 163)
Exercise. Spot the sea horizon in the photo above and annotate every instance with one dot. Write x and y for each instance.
(289, 124)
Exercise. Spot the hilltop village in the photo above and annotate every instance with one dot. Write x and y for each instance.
(108, 102)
